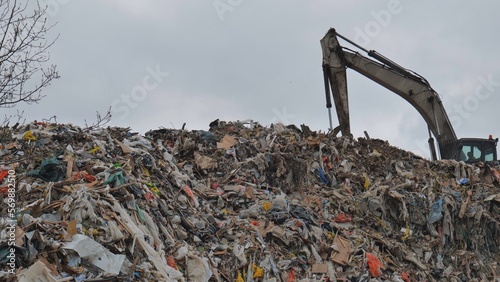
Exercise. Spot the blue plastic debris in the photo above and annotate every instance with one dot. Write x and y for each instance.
(436, 211)
(324, 178)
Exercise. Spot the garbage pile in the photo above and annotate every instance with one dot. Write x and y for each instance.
(240, 202)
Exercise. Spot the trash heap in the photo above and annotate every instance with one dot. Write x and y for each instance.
(241, 202)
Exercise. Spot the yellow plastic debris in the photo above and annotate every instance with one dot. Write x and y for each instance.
(266, 206)
(145, 171)
(258, 272)
(28, 136)
(95, 150)
(156, 191)
(367, 183)
(330, 235)
(382, 223)
(407, 232)
(239, 278)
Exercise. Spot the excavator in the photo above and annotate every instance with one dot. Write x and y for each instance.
(409, 85)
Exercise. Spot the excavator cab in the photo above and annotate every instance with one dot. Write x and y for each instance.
(473, 150)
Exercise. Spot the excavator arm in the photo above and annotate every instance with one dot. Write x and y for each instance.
(407, 84)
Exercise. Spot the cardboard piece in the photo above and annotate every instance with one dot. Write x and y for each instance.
(319, 268)
(125, 148)
(19, 236)
(344, 250)
(69, 166)
(226, 142)
(72, 227)
(49, 266)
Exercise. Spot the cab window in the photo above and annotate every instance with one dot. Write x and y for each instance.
(470, 153)
(489, 152)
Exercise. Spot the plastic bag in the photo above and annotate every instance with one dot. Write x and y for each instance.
(436, 211)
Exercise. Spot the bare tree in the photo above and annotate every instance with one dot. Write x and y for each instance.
(24, 52)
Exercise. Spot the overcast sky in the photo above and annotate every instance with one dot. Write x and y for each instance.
(161, 63)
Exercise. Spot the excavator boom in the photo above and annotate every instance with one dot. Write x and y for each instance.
(407, 84)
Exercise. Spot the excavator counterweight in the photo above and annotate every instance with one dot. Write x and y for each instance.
(408, 85)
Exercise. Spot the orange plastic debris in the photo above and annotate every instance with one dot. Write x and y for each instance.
(291, 276)
(171, 262)
(374, 264)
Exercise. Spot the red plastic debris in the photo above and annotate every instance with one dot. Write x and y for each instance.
(374, 264)
(342, 218)
(84, 175)
(405, 276)
(3, 174)
(150, 196)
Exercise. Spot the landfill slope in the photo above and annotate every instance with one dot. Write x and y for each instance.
(240, 202)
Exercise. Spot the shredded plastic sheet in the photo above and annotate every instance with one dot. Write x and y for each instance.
(169, 273)
(38, 272)
(116, 179)
(80, 205)
(50, 170)
(198, 268)
(95, 253)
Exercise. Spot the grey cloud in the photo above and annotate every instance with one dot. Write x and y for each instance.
(264, 58)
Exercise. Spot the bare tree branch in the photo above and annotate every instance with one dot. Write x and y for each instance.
(18, 117)
(24, 52)
(100, 122)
